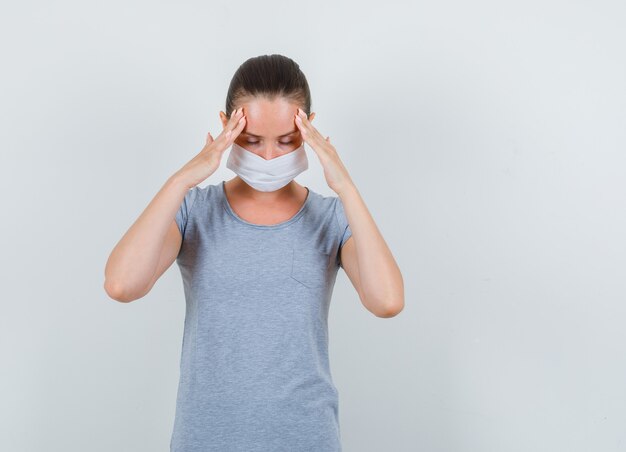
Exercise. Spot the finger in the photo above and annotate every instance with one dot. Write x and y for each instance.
(235, 116)
(239, 127)
(209, 138)
(310, 133)
(235, 131)
(302, 119)
(298, 122)
(301, 125)
(303, 133)
(232, 121)
(235, 121)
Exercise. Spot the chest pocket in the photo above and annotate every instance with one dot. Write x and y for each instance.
(310, 266)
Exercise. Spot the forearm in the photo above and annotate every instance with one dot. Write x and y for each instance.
(133, 262)
(380, 277)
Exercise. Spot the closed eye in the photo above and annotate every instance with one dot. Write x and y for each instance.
(256, 142)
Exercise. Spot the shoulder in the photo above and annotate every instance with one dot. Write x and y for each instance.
(321, 201)
(322, 205)
(332, 206)
(201, 195)
(328, 209)
(196, 198)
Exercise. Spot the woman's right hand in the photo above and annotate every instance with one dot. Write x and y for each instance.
(208, 160)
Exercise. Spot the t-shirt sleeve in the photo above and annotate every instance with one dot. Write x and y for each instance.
(182, 216)
(344, 228)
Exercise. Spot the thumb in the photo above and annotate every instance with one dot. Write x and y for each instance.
(209, 138)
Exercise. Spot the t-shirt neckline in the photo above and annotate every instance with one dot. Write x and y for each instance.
(282, 224)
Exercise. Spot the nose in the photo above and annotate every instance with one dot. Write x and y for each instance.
(269, 152)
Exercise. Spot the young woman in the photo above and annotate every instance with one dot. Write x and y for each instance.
(259, 255)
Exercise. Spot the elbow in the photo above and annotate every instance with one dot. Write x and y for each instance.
(391, 310)
(117, 292)
(393, 303)
(390, 305)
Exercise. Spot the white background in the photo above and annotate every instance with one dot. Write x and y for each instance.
(486, 138)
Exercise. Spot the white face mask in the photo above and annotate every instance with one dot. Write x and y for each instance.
(267, 175)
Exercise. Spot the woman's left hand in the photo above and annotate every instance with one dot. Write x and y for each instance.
(335, 172)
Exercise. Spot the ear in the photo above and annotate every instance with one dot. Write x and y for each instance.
(224, 119)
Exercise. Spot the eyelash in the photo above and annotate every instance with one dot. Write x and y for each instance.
(256, 142)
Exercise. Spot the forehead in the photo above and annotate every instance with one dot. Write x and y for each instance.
(269, 118)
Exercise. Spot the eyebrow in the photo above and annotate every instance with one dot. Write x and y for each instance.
(259, 136)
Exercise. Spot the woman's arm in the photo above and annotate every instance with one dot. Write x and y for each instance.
(136, 262)
(367, 260)
(152, 243)
(365, 257)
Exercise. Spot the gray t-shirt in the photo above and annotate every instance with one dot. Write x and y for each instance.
(254, 368)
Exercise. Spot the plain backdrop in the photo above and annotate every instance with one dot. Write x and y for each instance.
(486, 138)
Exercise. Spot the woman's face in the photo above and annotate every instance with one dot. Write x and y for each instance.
(270, 129)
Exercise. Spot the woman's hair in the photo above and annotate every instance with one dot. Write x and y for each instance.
(269, 76)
